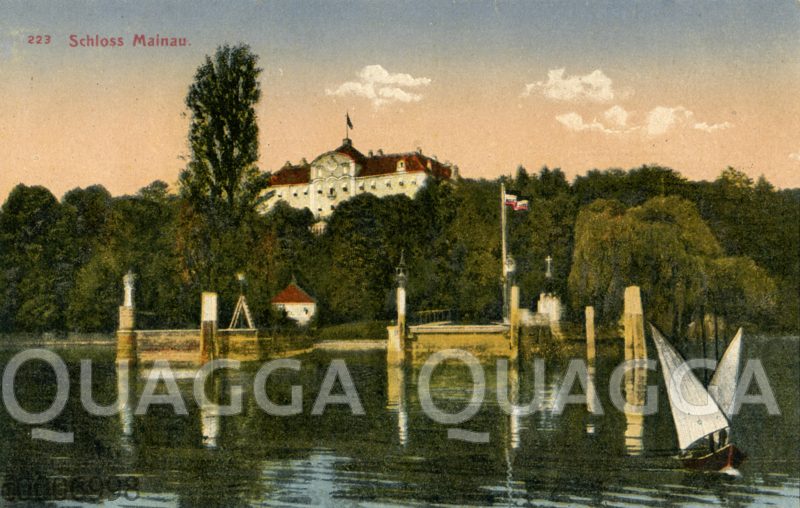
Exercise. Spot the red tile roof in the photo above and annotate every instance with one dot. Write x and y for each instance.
(348, 149)
(291, 175)
(372, 165)
(292, 294)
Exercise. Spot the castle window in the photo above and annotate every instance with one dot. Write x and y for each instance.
(344, 188)
(319, 191)
(361, 187)
(373, 185)
(389, 185)
(413, 182)
(294, 194)
(402, 183)
(401, 165)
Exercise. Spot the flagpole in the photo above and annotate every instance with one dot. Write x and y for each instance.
(503, 261)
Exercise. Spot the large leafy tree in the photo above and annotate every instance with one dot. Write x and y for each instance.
(221, 179)
(666, 248)
(35, 259)
(221, 186)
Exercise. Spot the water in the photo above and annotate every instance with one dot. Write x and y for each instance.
(394, 453)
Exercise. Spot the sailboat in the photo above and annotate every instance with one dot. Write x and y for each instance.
(702, 419)
(723, 384)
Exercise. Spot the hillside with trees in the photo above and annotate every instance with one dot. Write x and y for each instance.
(727, 247)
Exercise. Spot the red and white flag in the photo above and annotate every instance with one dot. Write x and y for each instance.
(522, 204)
(510, 199)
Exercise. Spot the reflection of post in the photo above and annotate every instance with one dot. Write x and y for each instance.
(209, 415)
(591, 396)
(126, 336)
(634, 433)
(513, 396)
(396, 398)
(208, 326)
(124, 399)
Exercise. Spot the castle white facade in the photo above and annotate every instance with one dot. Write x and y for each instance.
(340, 174)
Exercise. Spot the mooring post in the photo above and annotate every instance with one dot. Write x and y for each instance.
(401, 311)
(633, 320)
(126, 334)
(591, 352)
(635, 348)
(396, 343)
(208, 326)
(395, 346)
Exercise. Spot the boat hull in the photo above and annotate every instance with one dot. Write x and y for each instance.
(725, 458)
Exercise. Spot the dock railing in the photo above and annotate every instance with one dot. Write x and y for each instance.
(422, 317)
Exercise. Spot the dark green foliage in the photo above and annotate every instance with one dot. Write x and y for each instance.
(222, 180)
(728, 247)
(218, 226)
(666, 248)
(139, 236)
(36, 257)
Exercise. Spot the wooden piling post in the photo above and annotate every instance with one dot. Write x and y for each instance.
(591, 351)
(208, 326)
(633, 320)
(635, 348)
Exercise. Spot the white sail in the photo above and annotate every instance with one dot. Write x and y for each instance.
(723, 383)
(694, 411)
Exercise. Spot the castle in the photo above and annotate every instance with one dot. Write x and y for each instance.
(340, 174)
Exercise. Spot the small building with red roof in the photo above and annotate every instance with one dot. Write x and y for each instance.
(298, 304)
(340, 174)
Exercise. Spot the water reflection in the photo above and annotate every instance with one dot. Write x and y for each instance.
(124, 402)
(396, 398)
(208, 459)
(210, 419)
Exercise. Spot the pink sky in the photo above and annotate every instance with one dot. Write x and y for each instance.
(693, 98)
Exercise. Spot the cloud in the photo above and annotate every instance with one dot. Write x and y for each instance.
(662, 119)
(703, 126)
(616, 119)
(616, 115)
(795, 156)
(574, 122)
(381, 87)
(593, 87)
(658, 121)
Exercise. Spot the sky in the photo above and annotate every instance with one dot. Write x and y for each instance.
(487, 85)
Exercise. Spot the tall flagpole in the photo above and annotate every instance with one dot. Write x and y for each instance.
(503, 261)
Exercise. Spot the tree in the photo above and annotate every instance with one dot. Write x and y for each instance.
(35, 259)
(221, 186)
(221, 179)
(663, 246)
